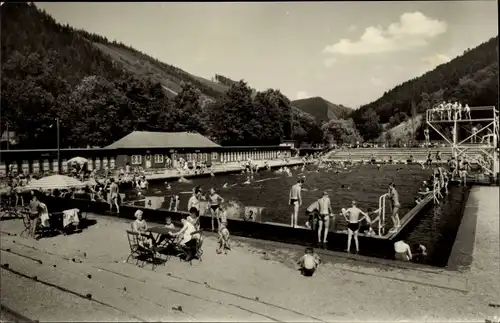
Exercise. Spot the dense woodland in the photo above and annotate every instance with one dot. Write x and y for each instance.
(51, 71)
(102, 90)
(470, 78)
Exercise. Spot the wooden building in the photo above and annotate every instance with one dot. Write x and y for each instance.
(140, 149)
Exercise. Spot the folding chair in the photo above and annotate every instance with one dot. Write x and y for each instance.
(141, 252)
(27, 224)
(40, 229)
(195, 250)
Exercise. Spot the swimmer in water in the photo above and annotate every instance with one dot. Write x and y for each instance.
(366, 225)
(183, 180)
(247, 181)
(311, 213)
(351, 215)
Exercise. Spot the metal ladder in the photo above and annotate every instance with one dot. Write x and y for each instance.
(381, 206)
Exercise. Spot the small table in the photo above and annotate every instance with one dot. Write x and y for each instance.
(160, 232)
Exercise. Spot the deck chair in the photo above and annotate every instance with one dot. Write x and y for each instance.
(141, 252)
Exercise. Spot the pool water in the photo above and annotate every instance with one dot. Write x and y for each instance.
(437, 226)
(270, 190)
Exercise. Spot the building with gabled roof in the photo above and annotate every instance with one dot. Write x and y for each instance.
(150, 139)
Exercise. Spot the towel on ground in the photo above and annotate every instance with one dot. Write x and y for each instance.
(70, 216)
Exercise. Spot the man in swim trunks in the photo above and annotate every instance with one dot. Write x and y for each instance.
(113, 191)
(215, 201)
(402, 251)
(453, 165)
(325, 211)
(351, 215)
(312, 212)
(393, 194)
(296, 201)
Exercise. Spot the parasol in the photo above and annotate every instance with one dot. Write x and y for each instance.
(55, 182)
(78, 160)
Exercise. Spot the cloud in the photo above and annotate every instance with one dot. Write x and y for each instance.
(411, 31)
(352, 28)
(330, 61)
(436, 59)
(301, 95)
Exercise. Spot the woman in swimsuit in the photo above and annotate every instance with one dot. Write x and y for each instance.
(215, 201)
(34, 209)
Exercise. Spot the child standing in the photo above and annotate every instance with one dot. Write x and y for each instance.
(223, 239)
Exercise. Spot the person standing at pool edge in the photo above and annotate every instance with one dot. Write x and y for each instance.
(215, 201)
(325, 210)
(393, 194)
(296, 201)
(113, 191)
(352, 217)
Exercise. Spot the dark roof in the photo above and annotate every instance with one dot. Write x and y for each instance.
(147, 139)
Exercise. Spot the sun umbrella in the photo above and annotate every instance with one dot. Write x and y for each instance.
(78, 160)
(55, 182)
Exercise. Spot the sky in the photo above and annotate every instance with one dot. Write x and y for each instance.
(346, 52)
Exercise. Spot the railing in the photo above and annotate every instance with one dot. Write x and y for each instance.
(381, 207)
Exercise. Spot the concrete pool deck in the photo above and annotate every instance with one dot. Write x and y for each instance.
(256, 281)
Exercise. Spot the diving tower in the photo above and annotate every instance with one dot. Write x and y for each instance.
(469, 135)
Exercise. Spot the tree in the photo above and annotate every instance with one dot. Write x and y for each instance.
(233, 121)
(186, 115)
(369, 126)
(341, 132)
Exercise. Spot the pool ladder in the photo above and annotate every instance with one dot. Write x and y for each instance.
(381, 206)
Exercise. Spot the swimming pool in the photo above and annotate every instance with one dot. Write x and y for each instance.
(435, 227)
(269, 190)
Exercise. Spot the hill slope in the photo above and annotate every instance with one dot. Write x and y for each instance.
(91, 54)
(470, 78)
(101, 91)
(321, 109)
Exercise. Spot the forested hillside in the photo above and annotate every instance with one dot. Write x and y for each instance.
(470, 78)
(101, 91)
(321, 109)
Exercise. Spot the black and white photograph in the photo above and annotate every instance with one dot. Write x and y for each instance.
(308, 161)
